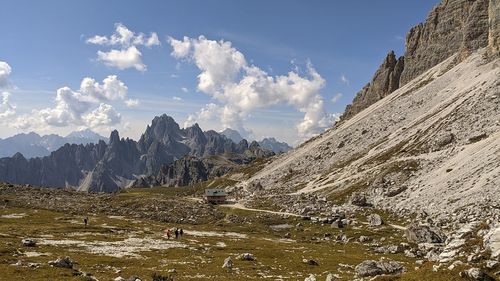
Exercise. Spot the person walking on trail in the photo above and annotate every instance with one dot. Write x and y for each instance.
(176, 233)
(181, 232)
(169, 234)
(86, 221)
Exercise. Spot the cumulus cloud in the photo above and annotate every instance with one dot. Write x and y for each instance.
(208, 112)
(125, 38)
(78, 108)
(176, 98)
(111, 88)
(5, 71)
(6, 108)
(241, 88)
(184, 89)
(104, 115)
(123, 59)
(128, 55)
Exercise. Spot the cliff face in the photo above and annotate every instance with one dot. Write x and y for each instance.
(453, 26)
(494, 22)
(384, 82)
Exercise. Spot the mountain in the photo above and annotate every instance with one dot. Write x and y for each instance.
(232, 135)
(267, 143)
(108, 167)
(452, 27)
(191, 170)
(33, 145)
(423, 137)
(274, 145)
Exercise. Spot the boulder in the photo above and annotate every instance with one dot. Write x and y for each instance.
(365, 239)
(373, 268)
(247, 257)
(375, 220)
(228, 263)
(310, 262)
(359, 199)
(311, 277)
(475, 274)
(424, 234)
(28, 242)
(65, 262)
(331, 277)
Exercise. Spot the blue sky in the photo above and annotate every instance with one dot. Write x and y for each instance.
(45, 45)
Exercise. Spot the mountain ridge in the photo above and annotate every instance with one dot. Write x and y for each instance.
(33, 145)
(109, 167)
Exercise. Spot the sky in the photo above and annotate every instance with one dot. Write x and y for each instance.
(285, 69)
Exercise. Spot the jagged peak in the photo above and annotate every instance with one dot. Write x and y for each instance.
(18, 155)
(114, 137)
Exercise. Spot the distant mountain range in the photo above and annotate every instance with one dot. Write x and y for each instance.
(33, 145)
(109, 167)
(267, 143)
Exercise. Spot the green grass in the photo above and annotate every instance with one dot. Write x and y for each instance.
(201, 255)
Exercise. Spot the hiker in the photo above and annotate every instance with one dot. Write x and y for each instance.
(168, 233)
(176, 233)
(181, 232)
(86, 221)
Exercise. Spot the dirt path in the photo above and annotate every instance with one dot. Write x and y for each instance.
(241, 207)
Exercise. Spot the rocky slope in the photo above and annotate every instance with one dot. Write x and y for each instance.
(109, 167)
(454, 26)
(33, 145)
(190, 170)
(430, 146)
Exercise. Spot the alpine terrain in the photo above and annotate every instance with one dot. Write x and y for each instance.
(404, 186)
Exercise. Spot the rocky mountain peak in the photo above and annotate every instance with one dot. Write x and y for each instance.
(232, 134)
(18, 156)
(452, 27)
(114, 137)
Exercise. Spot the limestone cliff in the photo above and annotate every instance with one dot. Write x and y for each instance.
(384, 82)
(494, 23)
(453, 26)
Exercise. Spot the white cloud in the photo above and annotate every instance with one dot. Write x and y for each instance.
(241, 88)
(77, 108)
(174, 76)
(184, 89)
(344, 79)
(123, 59)
(176, 98)
(111, 88)
(6, 108)
(5, 71)
(104, 115)
(209, 112)
(125, 38)
(128, 56)
(132, 103)
(336, 98)
(98, 40)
